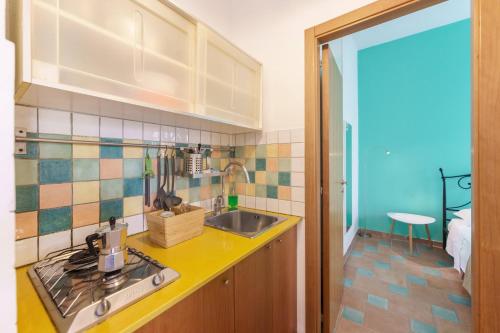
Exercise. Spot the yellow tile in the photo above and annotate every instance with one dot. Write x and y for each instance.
(84, 192)
(260, 177)
(272, 150)
(132, 205)
(85, 151)
(184, 194)
(134, 152)
(249, 151)
(250, 189)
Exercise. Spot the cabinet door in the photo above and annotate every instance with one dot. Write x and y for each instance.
(136, 51)
(210, 310)
(254, 292)
(285, 283)
(229, 81)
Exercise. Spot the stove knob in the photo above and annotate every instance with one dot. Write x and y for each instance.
(158, 279)
(102, 308)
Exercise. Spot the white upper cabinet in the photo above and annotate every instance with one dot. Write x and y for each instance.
(137, 51)
(229, 82)
(140, 52)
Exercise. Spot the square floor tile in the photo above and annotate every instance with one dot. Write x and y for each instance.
(444, 313)
(353, 315)
(418, 326)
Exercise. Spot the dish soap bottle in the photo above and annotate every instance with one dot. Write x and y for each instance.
(232, 200)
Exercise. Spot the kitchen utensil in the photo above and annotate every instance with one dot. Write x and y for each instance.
(111, 242)
(148, 173)
(172, 200)
(157, 202)
(161, 194)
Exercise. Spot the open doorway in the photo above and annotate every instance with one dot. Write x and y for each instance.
(323, 34)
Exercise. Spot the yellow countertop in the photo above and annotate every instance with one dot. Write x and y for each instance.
(198, 261)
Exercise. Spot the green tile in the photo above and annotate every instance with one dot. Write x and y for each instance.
(416, 280)
(261, 151)
(55, 150)
(216, 164)
(26, 198)
(260, 191)
(418, 326)
(111, 208)
(194, 194)
(260, 164)
(444, 313)
(54, 220)
(134, 187)
(111, 189)
(205, 181)
(353, 315)
(284, 164)
(284, 178)
(397, 289)
(111, 151)
(194, 182)
(55, 171)
(215, 180)
(378, 301)
(239, 152)
(181, 183)
(251, 175)
(271, 178)
(85, 169)
(26, 172)
(133, 167)
(364, 272)
(272, 192)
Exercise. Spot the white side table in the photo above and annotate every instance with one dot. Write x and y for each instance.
(411, 219)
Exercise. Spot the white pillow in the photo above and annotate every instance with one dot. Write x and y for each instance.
(465, 214)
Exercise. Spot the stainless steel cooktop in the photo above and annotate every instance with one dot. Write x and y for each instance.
(77, 296)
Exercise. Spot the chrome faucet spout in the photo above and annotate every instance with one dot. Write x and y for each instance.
(245, 171)
(219, 201)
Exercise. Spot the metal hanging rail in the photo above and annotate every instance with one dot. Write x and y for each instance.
(113, 144)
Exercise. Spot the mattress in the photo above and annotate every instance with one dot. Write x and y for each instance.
(458, 244)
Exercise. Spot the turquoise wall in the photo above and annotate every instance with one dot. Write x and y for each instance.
(414, 117)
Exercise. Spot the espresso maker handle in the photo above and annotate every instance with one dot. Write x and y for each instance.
(90, 243)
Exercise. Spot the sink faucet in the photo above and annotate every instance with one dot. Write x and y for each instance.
(219, 201)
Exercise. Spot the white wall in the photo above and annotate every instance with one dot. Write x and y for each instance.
(8, 307)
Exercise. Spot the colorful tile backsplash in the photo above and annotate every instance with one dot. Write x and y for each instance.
(64, 191)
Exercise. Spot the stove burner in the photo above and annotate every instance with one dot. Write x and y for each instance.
(81, 261)
(113, 280)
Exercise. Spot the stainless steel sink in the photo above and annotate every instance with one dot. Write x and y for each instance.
(243, 223)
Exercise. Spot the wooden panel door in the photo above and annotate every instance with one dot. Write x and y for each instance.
(218, 304)
(209, 309)
(333, 188)
(254, 292)
(285, 283)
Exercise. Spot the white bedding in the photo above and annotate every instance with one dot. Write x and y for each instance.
(459, 243)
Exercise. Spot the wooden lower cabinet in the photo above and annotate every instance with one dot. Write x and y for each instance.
(259, 294)
(210, 310)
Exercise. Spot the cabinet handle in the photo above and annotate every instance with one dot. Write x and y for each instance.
(268, 246)
(226, 282)
(280, 240)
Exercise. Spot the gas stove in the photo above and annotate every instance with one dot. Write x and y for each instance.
(77, 295)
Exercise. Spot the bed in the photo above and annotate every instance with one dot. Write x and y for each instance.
(457, 222)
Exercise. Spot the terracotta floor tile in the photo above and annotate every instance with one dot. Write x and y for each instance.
(355, 298)
(386, 321)
(347, 326)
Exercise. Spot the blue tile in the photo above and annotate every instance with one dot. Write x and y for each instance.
(111, 151)
(356, 253)
(32, 148)
(382, 265)
(54, 220)
(459, 299)
(133, 167)
(347, 283)
(284, 178)
(215, 180)
(431, 271)
(55, 171)
(444, 313)
(416, 280)
(85, 169)
(26, 198)
(400, 290)
(111, 208)
(442, 263)
(194, 182)
(397, 258)
(133, 187)
(364, 272)
(260, 164)
(378, 301)
(272, 191)
(353, 315)
(370, 248)
(251, 175)
(418, 326)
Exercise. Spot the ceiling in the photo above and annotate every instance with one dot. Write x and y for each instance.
(445, 13)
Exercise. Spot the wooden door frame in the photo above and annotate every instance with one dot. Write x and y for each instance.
(485, 183)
